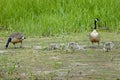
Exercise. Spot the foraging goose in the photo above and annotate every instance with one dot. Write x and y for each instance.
(15, 38)
(94, 35)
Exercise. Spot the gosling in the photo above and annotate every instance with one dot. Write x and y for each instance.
(15, 38)
(94, 35)
(108, 46)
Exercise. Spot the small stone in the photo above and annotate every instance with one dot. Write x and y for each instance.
(3, 51)
(37, 47)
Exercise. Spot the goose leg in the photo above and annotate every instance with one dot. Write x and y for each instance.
(92, 45)
(14, 46)
(21, 45)
(98, 44)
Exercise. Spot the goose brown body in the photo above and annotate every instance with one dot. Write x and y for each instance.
(94, 35)
(15, 38)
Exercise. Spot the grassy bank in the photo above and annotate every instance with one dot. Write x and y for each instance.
(50, 17)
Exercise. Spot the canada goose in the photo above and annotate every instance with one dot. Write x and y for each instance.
(15, 38)
(94, 35)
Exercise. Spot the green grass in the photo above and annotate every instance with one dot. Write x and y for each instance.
(90, 64)
(53, 17)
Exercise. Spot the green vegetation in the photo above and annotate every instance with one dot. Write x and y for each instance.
(59, 17)
(51, 17)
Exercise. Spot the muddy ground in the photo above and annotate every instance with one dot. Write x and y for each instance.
(29, 63)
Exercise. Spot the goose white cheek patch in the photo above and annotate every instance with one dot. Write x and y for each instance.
(23, 37)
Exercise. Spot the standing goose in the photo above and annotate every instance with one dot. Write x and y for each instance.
(15, 38)
(94, 35)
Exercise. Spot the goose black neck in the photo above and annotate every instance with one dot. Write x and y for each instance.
(95, 24)
(8, 41)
